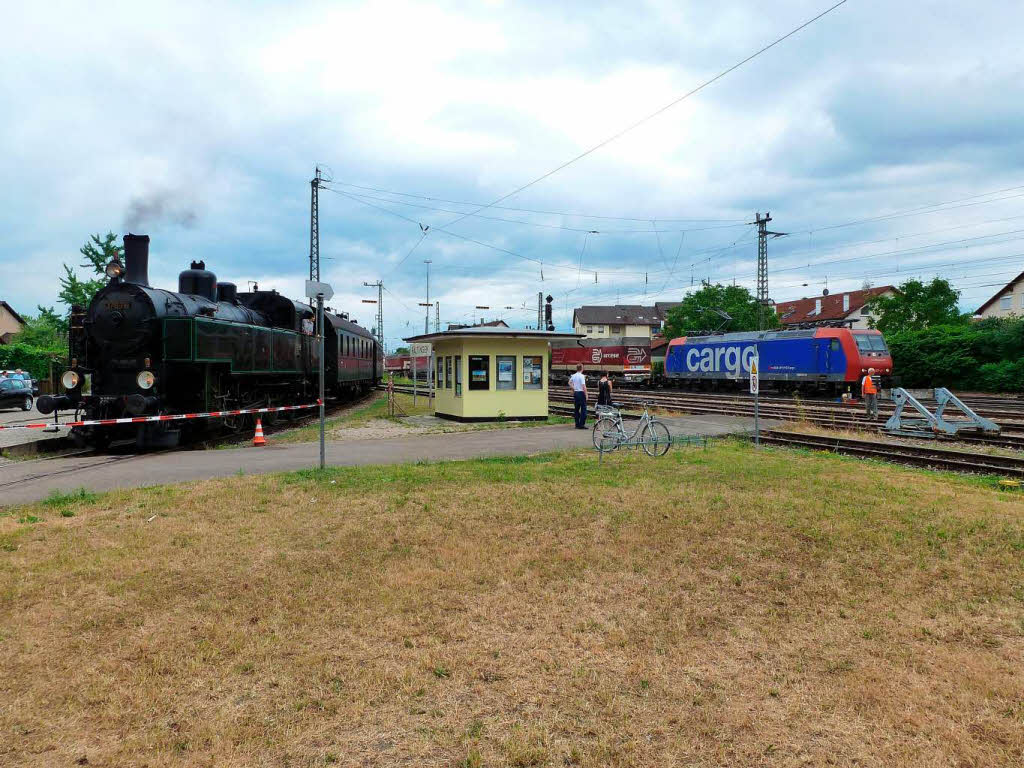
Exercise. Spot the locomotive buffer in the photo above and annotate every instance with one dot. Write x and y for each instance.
(321, 292)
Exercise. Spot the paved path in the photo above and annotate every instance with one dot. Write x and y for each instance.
(26, 481)
(15, 416)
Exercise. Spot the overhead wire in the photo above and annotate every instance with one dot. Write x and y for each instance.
(536, 210)
(652, 115)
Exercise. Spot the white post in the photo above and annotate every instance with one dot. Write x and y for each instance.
(413, 376)
(757, 398)
(320, 326)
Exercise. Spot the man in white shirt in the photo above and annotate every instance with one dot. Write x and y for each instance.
(578, 385)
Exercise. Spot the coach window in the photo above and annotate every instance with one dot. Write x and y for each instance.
(479, 372)
(448, 372)
(458, 375)
(506, 372)
(533, 372)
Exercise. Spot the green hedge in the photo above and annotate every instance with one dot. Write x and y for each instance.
(986, 356)
(30, 358)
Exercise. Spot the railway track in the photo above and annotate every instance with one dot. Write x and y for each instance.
(901, 453)
(820, 414)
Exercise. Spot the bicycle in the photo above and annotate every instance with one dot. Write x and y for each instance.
(610, 433)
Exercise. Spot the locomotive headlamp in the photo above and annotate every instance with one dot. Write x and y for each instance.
(115, 269)
(145, 380)
(70, 379)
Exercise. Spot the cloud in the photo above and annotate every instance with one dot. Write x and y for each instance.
(202, 123)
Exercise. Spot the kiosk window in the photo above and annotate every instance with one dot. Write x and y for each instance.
(506, 373)
(448, 372)
(533, 372)
(458, 375)
(479, 372)
(439, 381)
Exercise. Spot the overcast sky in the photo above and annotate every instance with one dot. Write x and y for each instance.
(200, 124)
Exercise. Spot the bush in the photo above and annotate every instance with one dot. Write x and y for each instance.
(35, 360)
(987, 355)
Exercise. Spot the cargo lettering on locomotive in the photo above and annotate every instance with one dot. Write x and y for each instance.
(721, 359)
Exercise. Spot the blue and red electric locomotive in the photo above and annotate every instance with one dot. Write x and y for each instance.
(818, 359)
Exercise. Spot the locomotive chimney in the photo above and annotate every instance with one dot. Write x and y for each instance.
(136, 259)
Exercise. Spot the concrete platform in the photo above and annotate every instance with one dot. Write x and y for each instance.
(27, 481)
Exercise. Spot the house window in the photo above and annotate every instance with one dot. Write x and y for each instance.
(590, 329)
(865, 311)
(615, 329)
(458, 375)
(506, 373)
(600, 329)
(448, 372)
(655, 328)
(479, 372)
(533, 372)
(1006, 302)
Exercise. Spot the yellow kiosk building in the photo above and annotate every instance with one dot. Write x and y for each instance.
(486, 373)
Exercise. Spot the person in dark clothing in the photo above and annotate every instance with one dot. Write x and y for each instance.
(604, 390)
(578, 385)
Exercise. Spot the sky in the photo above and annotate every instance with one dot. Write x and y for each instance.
(884, 139)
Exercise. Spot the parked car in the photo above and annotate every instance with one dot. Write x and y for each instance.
(16, 393)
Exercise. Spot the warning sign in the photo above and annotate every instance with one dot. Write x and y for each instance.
(753, 376)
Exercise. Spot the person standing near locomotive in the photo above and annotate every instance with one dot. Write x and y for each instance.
(870, 392)
(604, 390)
(578, 385)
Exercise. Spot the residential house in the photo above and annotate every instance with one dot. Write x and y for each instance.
(11, 322)
(635, 320)
(1007, 301)
(847, 307)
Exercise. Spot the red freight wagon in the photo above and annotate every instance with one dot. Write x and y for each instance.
(624, 357)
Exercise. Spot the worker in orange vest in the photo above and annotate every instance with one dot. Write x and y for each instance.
(867, 387)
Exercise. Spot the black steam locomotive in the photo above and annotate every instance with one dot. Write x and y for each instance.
(139, 350)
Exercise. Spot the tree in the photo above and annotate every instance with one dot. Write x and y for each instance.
(402, 351)
(98, 252)
(916, 305)
(697, 312)
(47, 330)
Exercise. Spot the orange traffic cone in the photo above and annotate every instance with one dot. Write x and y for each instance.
(258, 438)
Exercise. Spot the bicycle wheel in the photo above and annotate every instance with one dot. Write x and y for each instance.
(656, 439)
(606, 434)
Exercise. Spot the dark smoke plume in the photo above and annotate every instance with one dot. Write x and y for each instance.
(157, 207)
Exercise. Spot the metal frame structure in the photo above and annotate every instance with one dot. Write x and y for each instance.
(924, 423)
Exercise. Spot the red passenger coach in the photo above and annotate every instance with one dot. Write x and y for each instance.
(624, 358)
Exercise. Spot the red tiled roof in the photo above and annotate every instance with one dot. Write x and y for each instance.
(802, 310)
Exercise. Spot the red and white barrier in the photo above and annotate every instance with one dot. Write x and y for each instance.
(165, 417)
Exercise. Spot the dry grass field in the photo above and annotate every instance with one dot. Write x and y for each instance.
(713, 608)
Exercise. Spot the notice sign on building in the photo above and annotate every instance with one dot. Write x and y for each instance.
(420, 349)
